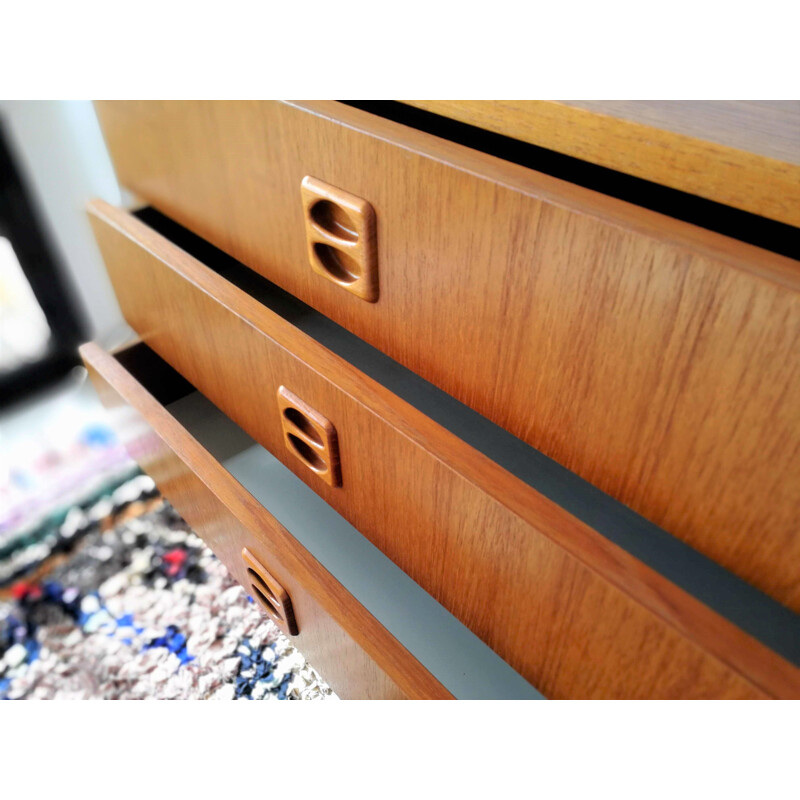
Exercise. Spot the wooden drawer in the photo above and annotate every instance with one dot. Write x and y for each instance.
(656, 359)
(568, 607)
(354, 653)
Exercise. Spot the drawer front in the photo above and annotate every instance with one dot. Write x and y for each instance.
(353, 652)
(570, 611)
(655, 359)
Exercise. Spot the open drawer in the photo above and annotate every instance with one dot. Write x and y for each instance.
(657, 359)
(195, 454)
(578, 594)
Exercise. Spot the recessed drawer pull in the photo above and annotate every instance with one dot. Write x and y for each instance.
(270, 594)
(340, 232)
(310, 437)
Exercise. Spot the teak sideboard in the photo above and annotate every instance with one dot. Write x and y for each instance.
(478, 399)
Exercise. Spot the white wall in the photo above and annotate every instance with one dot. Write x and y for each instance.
(64, 163)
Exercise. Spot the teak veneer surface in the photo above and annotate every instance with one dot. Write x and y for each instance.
(745, 154)
(355, 653)
(574, 614)
(655, 359)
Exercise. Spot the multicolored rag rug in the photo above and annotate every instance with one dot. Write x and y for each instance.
(130, 604)
(73, 460)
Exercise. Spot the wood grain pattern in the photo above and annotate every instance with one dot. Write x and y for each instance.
(655, 359)
(739, 153)
(574, 614)
(355, 654)
(769, 128)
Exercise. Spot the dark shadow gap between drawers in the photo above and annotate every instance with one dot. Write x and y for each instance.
(162, 381)
(750, 609)
(746, 227)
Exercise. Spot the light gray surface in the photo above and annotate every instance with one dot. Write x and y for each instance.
(449, 650)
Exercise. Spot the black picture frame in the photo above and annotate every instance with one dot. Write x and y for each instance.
(21, 224)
